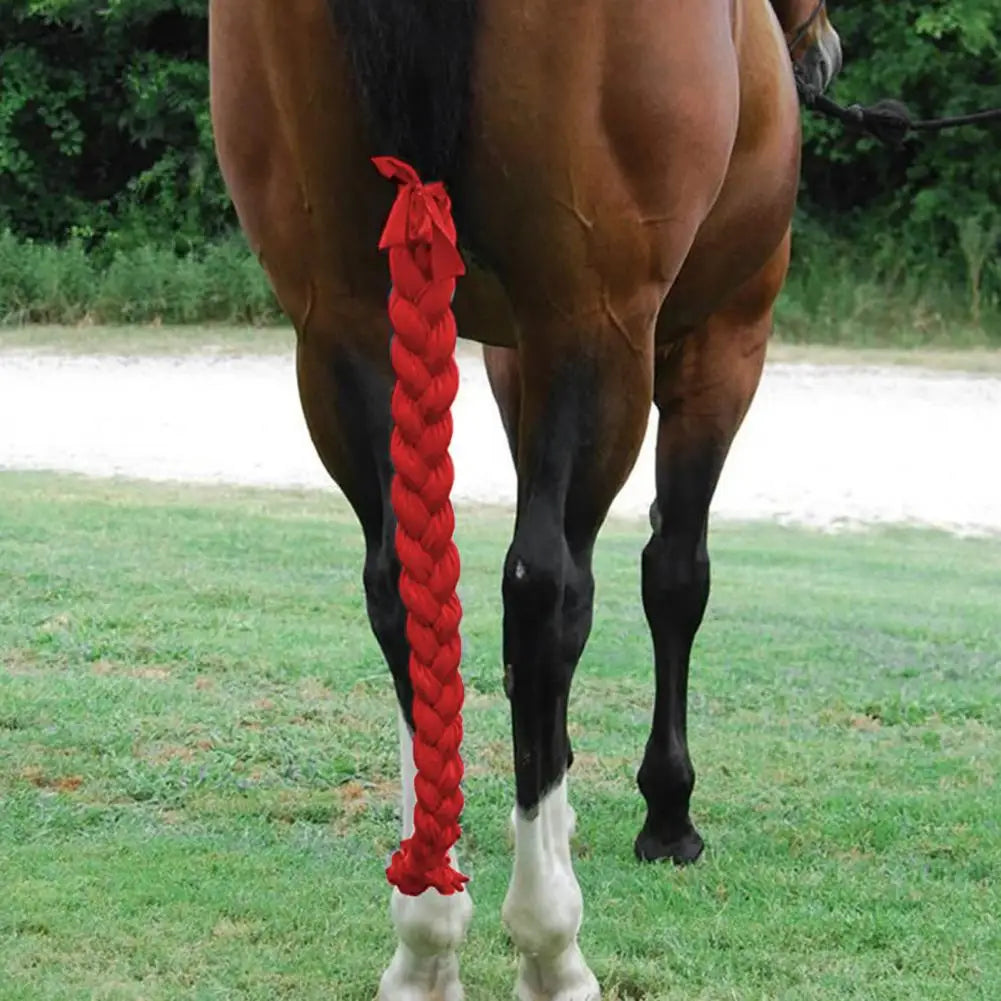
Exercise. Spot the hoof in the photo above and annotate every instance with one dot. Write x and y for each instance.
(682, 850)
(563, 978)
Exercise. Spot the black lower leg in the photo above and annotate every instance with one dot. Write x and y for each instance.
(675, 593)
(548, 609)
(386, 612)
(548, 592)
(579, 434)
(578, 616)
(381, 576)
(537, 675)
(346, 399)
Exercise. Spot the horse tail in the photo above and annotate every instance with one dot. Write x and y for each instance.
(412, 64)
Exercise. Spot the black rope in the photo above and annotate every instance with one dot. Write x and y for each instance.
(889, 121)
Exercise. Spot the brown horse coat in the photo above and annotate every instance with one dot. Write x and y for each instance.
(624, 174)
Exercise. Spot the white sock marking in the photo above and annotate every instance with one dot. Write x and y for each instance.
(430, 927)
(544, 907)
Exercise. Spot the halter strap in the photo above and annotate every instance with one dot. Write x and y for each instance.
(802, 30)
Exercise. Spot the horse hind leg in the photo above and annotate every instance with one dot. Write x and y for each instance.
(430, 927)
(345, 393)
(703, 387)
(583, 412)
(504, 376)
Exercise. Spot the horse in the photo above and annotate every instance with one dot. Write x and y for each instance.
(624, 175)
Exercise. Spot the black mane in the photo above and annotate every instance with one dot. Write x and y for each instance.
(412, 62)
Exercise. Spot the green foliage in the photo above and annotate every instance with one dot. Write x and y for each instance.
(104, 123)
(220, 282)
(835, 294)
(826, 299)
(905, 210)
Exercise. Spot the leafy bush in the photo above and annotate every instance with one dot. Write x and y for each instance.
(906, 211)
(104, 123)
(221, 283)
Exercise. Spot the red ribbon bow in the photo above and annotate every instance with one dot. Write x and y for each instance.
(421, 217)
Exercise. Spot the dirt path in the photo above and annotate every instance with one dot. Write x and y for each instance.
(823, 445)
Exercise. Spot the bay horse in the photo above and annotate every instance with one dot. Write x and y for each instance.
(624, 174)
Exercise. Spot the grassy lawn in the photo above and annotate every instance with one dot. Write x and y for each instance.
(198, 788)
(239, 340)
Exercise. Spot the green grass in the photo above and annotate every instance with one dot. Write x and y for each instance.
(199, 781)
(220, 283)
(842, 304)
(835, 294)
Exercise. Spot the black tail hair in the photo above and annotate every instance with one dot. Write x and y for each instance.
(412, 63)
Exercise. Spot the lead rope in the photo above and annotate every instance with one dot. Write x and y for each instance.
(888, 121)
